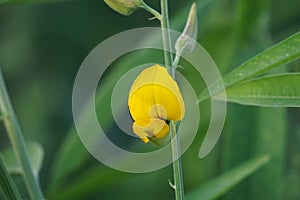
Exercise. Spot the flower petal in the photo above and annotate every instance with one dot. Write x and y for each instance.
(155, 128)
(155, 86)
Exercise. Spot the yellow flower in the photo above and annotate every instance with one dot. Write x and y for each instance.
(154, 100)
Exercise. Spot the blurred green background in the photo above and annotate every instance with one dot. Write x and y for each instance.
(42, 46)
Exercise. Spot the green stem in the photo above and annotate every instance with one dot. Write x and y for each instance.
(176, 61)
(17, 140)
(177, 171)
(151, 10)
(166, 35)
(7, 184)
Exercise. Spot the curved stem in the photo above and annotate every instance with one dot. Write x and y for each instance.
(151, 10)
(176, 61)
(17, 140)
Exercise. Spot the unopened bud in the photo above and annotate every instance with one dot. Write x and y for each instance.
(187, 40)
(124, 7)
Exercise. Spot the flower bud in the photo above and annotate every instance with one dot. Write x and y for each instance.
(187, 39)
(124, 7)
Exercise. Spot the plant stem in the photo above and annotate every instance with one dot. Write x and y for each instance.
(151, 10)
(176, 61)
(7, 184)
(17, 140)
(177, 170)
(166, 35)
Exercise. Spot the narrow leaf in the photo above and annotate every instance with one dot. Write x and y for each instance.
(7, 184)
(281, 90)
(281, 53)
(36, 154)
(219, 186)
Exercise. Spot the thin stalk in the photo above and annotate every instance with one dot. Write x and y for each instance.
(17, 141)
(151, 10)
(7, 184)
(177, 169)
(176, 62)
(166, 35)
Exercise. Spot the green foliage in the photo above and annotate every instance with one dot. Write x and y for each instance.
(222, 184)
(281, 53)
(274, 91)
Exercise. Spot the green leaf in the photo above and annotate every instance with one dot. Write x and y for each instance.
(6, 183)
(281, 90)
(219, 186)
(281, 53)
(35, 152)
